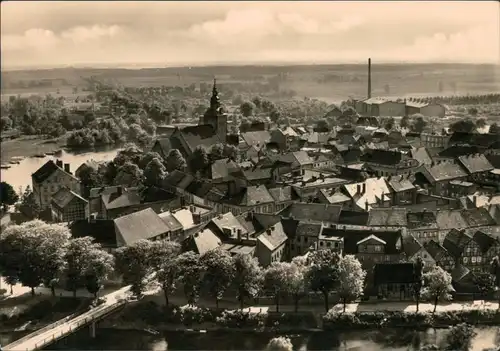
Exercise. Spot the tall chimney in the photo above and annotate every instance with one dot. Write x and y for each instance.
(369, 78)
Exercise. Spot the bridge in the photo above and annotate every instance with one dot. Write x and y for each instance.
(66, 326)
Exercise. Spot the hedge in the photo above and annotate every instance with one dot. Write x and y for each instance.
(337, 320)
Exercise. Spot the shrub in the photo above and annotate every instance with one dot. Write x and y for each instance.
(189, 315)
(240, 319)
(279, 343)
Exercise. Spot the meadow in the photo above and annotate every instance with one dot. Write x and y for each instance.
(332, 83)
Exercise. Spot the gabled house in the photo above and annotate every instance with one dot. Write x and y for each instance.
(145, 224)
(402, 190)
(423, 226)
(68, 206)
(387, 163)
(437, 177)
(201, 242)
(373, 192)
(394, 281)
(413, 250)
(49, 179)
(477, 166)
(314, 213)
(270, 246)
(387, 217)
(440, 255)
(455, 243)
(480, 251)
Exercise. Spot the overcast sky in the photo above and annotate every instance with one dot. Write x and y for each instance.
(187, 33)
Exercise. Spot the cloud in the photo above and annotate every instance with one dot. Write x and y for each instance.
(179, 33)
(82, 34)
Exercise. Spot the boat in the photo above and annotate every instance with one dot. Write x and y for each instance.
(4, 167)
(50, 153)
(14, 162)
(39, 155)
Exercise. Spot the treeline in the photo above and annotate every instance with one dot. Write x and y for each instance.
(459, 100)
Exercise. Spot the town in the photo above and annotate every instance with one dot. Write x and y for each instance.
(283, 213)
(260, 207)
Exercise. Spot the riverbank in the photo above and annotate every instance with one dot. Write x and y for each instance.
(27, 146)
(152, 316)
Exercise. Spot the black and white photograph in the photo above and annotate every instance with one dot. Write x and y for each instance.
(250, 175)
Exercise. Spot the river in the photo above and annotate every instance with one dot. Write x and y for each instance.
(374, 340)
(19, 175)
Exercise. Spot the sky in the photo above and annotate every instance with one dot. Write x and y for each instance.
(43, 33)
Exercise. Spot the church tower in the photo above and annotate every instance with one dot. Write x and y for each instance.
(215, 115)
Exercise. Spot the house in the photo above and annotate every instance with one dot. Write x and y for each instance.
(270, 246)
(89, 165)
(308, 187)
(120, 200)
(440, 255)
(201, 242)
(425, 108)
(402, 190)
(388, 163)
(455, 243)
(102, 231)
(299, 160)
(437, 178)
(283, 197)
(387, 217)
(145, 224)
(162, 146)
(413, 250)
(395, 280)
(49, 179)
(175, 227)
(381, 107)
(303, 236)
(68, 206)
(423, 226)
(480, 251)
(333, 111)
(477, 166)
(311, 212)
(421, 155)
(332, 197)
(434, 140)
(373, 192)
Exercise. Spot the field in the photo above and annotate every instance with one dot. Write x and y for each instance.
(332, 83)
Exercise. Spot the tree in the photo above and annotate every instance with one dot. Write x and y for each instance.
(164, 262)
(472, 111)
(133, 263)
(279, 343)
(481, 123)
(419, 123)
(274, 115)
(218, 273)
(495, 271)
(37, 249)
(199, 160)
(323, 274)
(7, 195)
(275, 279)
(76, 258)
(485, 282)
(231, 152)
(174, 161)
(405, 122)
(351, 279)
(388, 123)
(148, 157)
(99, 265)
(247, 108)
(464, 126)
(154, 173)
(296, 279)
(494, 129)
(437, 285)
(216, 152)
(190, 273)
(418, 267)
(129, 175)
(322, 126)
(459, 338)
(5, 123)
(28, 204)
(248, 277)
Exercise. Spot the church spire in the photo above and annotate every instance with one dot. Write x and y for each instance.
(214, 100)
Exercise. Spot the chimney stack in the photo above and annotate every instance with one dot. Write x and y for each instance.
(358, 189)
(239, 233)
(119, 190)
(66, 168)
(59, 163)
(369, 78)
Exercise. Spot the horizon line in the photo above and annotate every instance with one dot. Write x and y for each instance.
(158, 65)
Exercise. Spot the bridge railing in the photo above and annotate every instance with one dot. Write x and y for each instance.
(92, 315)
(43, 330)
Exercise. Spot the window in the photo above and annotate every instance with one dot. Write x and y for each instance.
(478, 259)
(378, 248)
(466, 259)
(387, 258)
(320, 243)
(328, 244)
(473, 259)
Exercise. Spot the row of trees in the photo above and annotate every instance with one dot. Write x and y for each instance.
(36, 253)
(459, 100)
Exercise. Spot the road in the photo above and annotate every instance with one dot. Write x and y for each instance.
(31, 344)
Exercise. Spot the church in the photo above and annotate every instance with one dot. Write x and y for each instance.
(211, 129)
